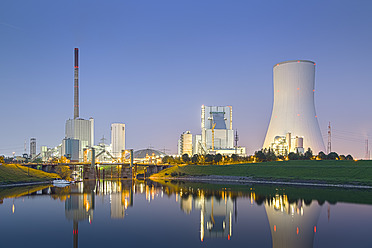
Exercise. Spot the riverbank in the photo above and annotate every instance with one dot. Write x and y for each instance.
(329, 173)
(14, 174)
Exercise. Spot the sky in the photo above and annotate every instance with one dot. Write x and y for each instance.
(153, 64)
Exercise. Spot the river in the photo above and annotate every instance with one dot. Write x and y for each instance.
(183, 214)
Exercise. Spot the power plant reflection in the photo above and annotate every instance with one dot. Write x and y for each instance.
(292, 222)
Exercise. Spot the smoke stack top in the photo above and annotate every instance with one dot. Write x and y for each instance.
(76, 57)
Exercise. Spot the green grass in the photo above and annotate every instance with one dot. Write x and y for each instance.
(13, 173)
(328, 171)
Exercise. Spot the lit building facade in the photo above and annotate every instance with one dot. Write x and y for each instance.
(185, 144)
(117, 139)
(70, 149)
(293, 125)
(216, 125)
(82, 130)
(32, 147)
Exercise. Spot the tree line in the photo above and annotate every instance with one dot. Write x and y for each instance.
(264, 155)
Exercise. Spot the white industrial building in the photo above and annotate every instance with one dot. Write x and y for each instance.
(185, 144)
(117, 139)
(294, 126)
(216, 125)
(82, 130)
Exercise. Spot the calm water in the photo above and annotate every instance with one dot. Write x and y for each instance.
(144, 214)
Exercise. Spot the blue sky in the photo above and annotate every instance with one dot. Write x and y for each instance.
(152, 64)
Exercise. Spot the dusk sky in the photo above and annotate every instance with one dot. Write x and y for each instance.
(153, 64)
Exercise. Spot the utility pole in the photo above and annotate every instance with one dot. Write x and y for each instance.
(329, 146)
(367, 150)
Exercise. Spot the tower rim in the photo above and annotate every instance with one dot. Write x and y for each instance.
(294, 61)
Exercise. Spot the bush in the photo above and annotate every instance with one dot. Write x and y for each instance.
(322, 156)
(293, 156)
(259, 156)
(332, 156)
(185, 158)
(349, 157)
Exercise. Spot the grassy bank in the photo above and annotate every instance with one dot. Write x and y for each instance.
(327, 171)
(13, 173)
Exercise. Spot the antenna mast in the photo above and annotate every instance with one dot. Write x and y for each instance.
(236, 141)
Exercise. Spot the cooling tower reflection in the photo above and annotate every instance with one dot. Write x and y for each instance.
(292, 224)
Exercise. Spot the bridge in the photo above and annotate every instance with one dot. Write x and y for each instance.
(104, 170)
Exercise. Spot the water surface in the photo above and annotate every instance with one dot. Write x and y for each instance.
(145, 213)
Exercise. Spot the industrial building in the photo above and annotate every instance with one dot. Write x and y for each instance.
(217, 135)
(70, 149)
(78, 128)
(117, 139)
(32, 147)
(293, 125)
(185, 144)
(216, 127)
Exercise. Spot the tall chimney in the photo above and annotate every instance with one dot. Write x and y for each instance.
(76, 84)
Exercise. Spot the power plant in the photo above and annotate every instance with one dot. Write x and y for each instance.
(217, 134)
(293, 125)
(78, 128)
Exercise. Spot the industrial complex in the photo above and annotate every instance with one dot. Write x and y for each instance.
(293, 125)
(78, 143)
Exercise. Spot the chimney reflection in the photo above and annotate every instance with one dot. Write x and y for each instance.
(292, 224)
(79, 206)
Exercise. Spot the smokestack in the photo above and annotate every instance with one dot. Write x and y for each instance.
(76, 84)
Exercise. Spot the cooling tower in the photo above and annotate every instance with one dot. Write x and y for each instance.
(293, 110)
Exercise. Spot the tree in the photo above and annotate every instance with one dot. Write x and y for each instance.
(209, 158)
(270, 156)
(1, 159)
(259, 156)
(218, 158)
(308, 154)
(166, 159)
(332, 156)
(293, 156)
(349, 157)
(321, 156)
(234, 157)
(342, 157)
(195, 158)
(185, 158)
(63, 172)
